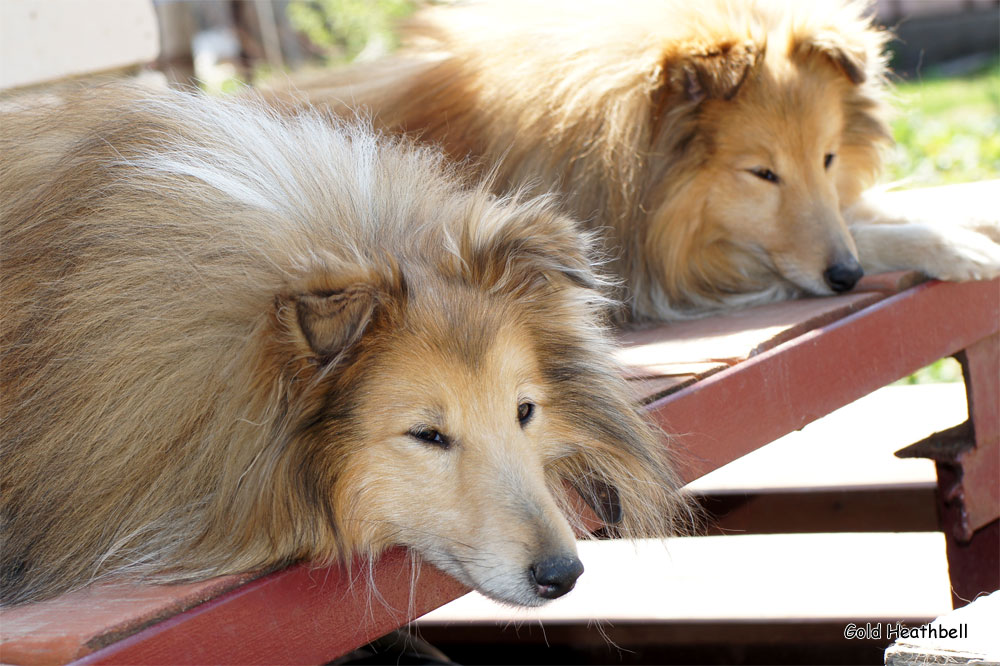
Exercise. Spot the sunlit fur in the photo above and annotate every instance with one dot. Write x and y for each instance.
(650, 118)
(220, 325)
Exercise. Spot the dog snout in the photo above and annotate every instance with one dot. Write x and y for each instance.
(843, 275)
(555, 576)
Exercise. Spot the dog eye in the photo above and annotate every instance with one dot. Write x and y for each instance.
(430, 436)
(765, 174)
(828, 160)
(524, 412)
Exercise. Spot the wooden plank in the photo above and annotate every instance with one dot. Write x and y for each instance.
(980, 485)
(680, 369)
(906, 509)
(653, 642)
(974, 564)
(661, 359)
(55, 631)
(890, 283)
(297, 615)
(740, 578)
(780, 390)
(300, 615)
(647, 390)
(851, 448)
(731, 338)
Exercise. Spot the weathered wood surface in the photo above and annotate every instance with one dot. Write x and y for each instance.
(70, 626)
(299, 615)
(664, 358)
(731, 413)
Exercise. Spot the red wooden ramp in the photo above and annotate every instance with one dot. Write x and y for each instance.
(300, 615)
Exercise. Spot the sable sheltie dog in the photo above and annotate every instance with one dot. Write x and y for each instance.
(233, 340)
(717, 145)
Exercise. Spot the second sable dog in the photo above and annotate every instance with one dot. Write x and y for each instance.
(721, 146)
(232, 341)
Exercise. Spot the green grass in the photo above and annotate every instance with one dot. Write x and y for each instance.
(947, 130)
(342, 29)
(945, 370)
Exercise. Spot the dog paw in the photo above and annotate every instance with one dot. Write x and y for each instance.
(965, 257)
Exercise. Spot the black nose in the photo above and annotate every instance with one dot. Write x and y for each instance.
(555, 576)
(843, 276)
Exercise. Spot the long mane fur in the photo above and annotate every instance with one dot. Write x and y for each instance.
(588, 100)
(159, 413)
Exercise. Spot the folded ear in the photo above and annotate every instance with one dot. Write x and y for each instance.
(850, 58)
(602, 497)
(698, 72)
(326, 322)
(333, 321)
(539, 248)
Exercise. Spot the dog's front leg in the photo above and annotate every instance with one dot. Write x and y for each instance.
(949, 233)
(955, 254)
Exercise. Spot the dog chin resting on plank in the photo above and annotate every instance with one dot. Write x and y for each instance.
(233, 340)
(721, 148)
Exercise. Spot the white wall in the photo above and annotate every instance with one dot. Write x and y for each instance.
(44, 40)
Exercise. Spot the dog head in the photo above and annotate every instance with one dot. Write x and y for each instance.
(774, 131)
(459, 391)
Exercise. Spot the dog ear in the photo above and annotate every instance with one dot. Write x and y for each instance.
(602, 497)
(326, 322)
(698, 72)
(333, 321)
(851, 59)
(533, 250)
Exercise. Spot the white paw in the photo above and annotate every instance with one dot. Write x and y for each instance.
(963, 257)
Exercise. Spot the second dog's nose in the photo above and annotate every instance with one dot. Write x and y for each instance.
(843, 276)
(555, 576)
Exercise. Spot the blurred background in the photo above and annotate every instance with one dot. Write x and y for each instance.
(945, 59)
